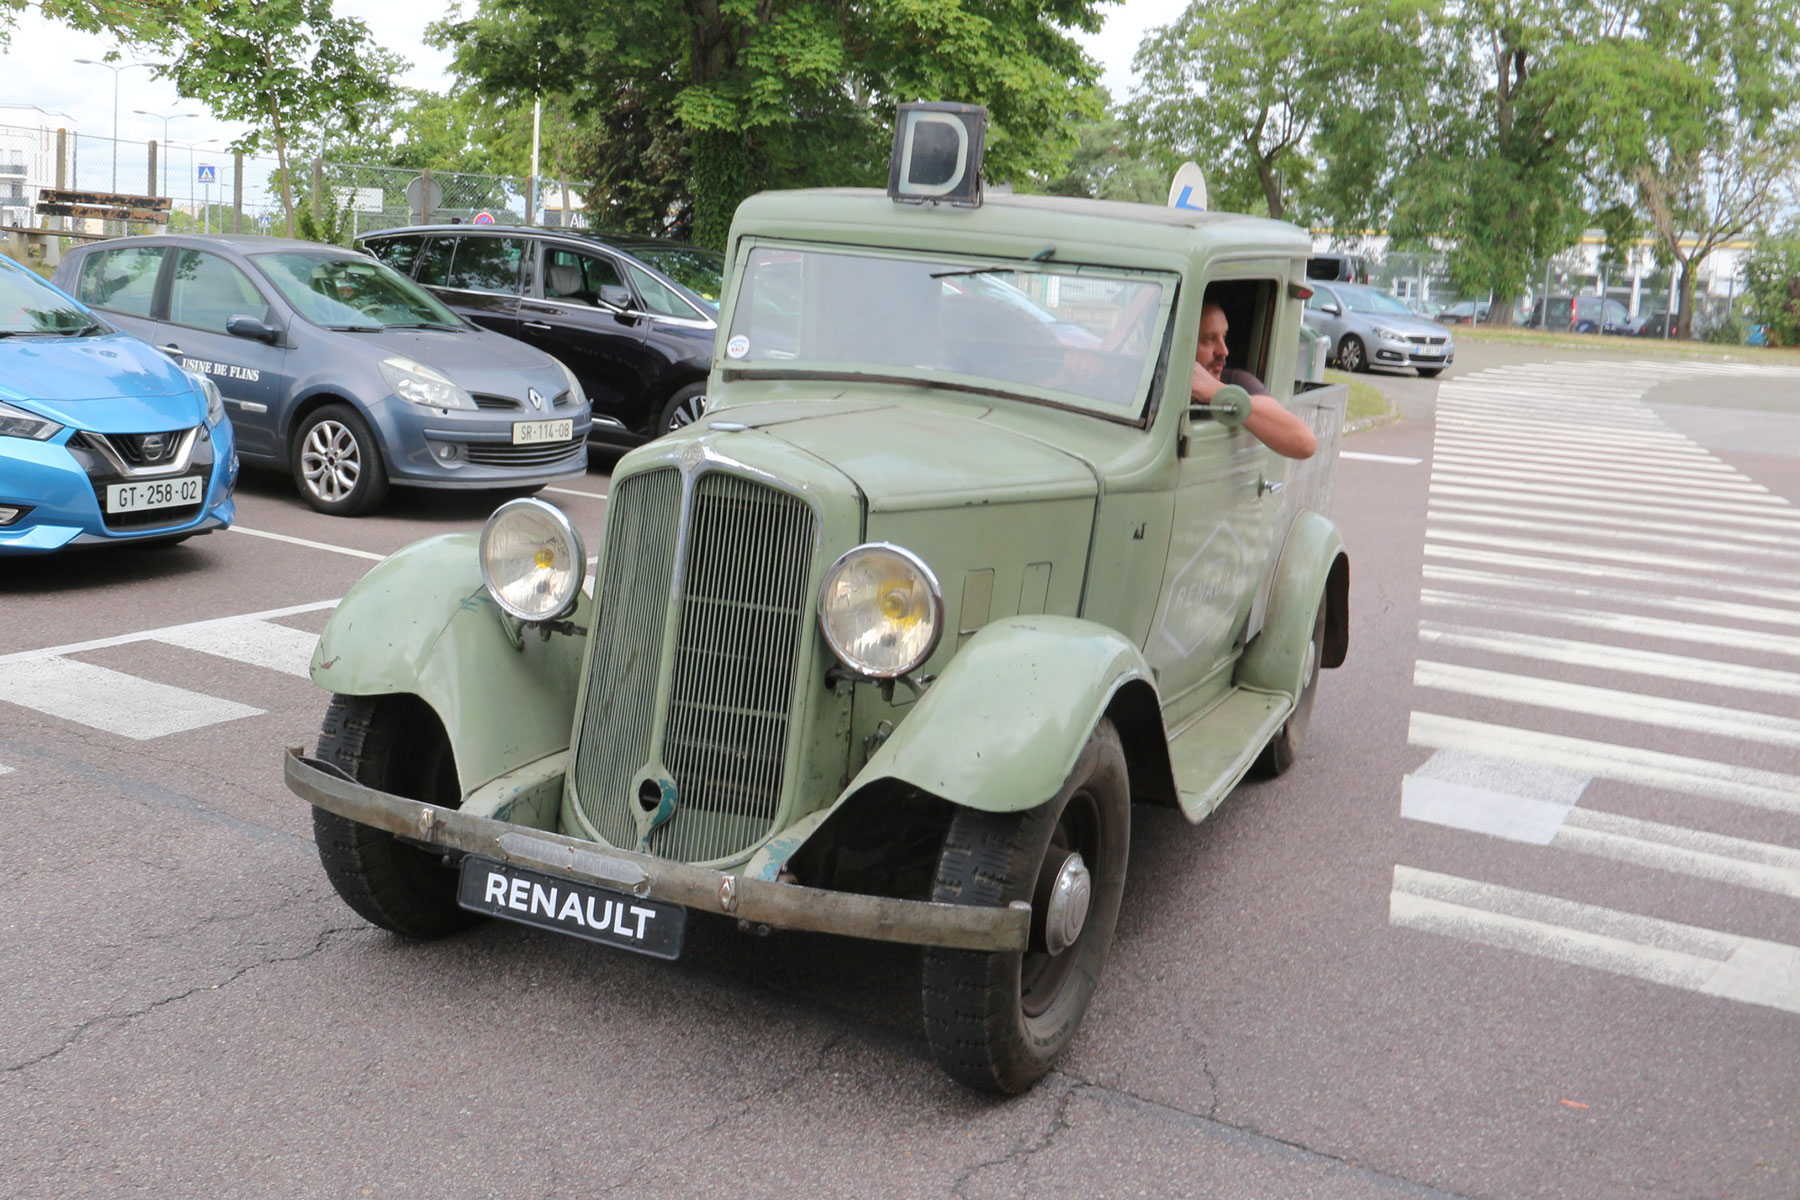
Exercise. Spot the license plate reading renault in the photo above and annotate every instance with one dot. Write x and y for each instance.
(527, 433)
(499, 890)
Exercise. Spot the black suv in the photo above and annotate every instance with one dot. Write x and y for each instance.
(1582, 314)
(633, 317)
(1338, 267)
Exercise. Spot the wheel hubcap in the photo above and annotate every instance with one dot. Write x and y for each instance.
(330, 461)
(688, 411)
(1071, 893)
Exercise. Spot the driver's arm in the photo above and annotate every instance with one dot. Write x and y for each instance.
(1276, 427)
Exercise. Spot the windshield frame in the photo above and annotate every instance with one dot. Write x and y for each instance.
(406, 287)
(949, 264)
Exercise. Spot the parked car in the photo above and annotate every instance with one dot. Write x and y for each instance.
(1369, 328)
(889, 641)
(1463, 312)
(102, 439)
(634, 317)
(1651, 324)
(1338, 267)
(340, 370)
(1580, 314)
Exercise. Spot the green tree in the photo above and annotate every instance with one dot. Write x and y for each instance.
(127, 20)
(1772, 286)
(1109, 163)
(281, 65)
(764, 93)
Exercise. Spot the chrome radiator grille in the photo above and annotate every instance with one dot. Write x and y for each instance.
(740, 632)
(619, 717)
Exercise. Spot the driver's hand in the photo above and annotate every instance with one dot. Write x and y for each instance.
(1204, 385)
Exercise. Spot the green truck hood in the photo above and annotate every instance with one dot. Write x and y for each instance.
(908, 456)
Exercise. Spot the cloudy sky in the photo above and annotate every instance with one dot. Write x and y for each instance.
(39, 68)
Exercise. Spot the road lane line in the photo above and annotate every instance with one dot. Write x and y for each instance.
(1684, 492)
(258, 643)
(1606, 554)
(1630, 624)
(1396, 459)
(1644, 495)
(1558, 513)
(1655, 579)
(1673, 848)
(191, 627)
(1610, 703)
(1627, 659)
(1752, 786)
(1707, 961)
(309, 544)
(112, 700)
(1459, 514)
(1539, 468)
(1591, 502)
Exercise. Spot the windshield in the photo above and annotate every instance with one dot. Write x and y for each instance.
(345, 291)
(701, 272)
(1067, 335)
(1371, 301)
(29, 308)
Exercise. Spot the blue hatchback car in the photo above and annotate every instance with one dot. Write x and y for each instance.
(102, 439)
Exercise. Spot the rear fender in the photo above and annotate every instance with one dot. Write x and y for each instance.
(422, 623)
(1001, 728)
(1313, 568)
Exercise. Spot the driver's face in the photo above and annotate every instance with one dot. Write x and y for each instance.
(1211, 353)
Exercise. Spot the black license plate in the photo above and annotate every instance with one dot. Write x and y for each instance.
(532, 898)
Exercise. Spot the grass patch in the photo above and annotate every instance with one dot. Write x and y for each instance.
(1627, 346)
(1366, 400)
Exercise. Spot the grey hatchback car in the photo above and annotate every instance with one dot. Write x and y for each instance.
(338, 369)
(1369, 328)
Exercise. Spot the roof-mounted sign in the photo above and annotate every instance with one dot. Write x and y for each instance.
(1189, 188)
(937, 153)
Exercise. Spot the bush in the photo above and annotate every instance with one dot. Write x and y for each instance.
(1772, 292)
(1729, 332)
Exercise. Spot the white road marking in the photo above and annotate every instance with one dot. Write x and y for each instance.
(191, 628)
(1544, 469)
(1681, 500)
(1703, 468)
(1609, 703)
(1686, 956)
(1397, 459)
(1656, 579)
(1604, 554)
(311, 545)
(112, 700)
(573, 492)
(1751, 786)
(1714, 609)
(1594, 502)
(1613, 658)
(5, 770)
(1585, 527)
(259, 643)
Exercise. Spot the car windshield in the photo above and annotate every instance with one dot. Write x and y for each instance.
(345, 291)
(29, 308)
(701, 272)
(1371, 301)
(1080, 337)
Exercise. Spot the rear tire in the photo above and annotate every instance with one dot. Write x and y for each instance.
(394, 744)
(1351, 355)
(1283, 750)
(998, 1021)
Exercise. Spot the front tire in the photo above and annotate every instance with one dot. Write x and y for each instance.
(337, 463)
(684, 408)
(1351, 355)
(999, 1021)
(394, 744)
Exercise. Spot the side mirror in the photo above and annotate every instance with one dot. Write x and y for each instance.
(615, 295)
(252, 328)
(1333, 309)
(1230, 407)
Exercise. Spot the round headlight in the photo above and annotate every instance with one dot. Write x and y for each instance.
(532, 560)
(881, 610)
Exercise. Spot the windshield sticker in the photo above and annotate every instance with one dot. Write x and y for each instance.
(738, 346)
(222, 370)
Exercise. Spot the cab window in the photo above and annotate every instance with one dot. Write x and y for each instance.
(487, 264)
(122, 281)
(207, 291)
(1250, 307)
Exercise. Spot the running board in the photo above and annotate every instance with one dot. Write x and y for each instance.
(1215, 749)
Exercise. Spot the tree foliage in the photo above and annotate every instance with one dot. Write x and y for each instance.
(283, 66)
(728, 96)
(1772, 287)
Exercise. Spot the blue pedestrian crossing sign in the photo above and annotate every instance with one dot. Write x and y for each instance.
(208, 173)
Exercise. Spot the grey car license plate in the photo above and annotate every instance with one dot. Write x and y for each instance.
(578, 909)
(527, 433)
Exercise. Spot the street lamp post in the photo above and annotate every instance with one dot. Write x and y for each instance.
(115, 68)
(166, 118)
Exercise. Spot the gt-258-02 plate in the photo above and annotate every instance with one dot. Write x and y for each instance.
(526, 433)
(163, 493)
(532, 898)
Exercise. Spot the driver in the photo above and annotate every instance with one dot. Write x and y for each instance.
(1279, 429)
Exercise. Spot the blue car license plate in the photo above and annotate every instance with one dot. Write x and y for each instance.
(162, 493)
(578, 909)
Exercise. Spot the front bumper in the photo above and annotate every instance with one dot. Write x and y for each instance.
(1387, 353)
(431, 448)
(758, 902)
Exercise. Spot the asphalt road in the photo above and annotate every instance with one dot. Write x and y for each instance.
(1521, 923)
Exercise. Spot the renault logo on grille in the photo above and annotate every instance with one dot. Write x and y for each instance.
(536, 397)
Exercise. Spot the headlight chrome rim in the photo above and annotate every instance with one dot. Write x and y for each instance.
(932, 587)
(560, 525)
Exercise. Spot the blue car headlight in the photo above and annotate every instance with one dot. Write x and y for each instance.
(16, 422)
(215, 403)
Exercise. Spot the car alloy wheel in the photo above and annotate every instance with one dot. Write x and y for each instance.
(1350, 354)
(336, 462)
(684, 408)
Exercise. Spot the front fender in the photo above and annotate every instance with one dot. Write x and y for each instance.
(1314, 569)
(422, 623)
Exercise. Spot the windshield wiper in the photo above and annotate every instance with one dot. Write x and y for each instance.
(356, 328)
(429, 325)
(88, 330)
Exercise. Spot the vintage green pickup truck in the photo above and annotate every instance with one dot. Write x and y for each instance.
(951, 575)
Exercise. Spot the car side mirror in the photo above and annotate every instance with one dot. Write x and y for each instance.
(1230, 406)
(252, 328)
(1333, 309)
(615, 295)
